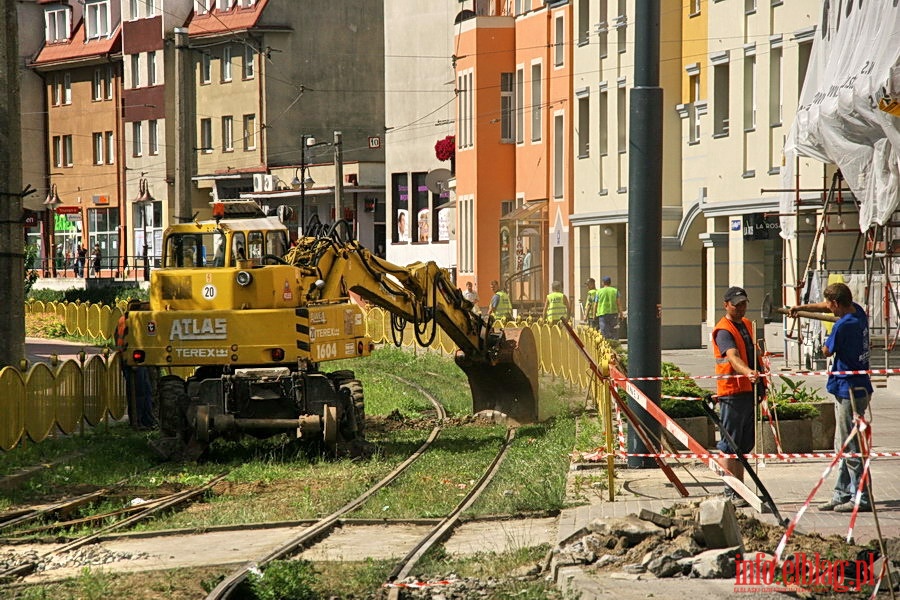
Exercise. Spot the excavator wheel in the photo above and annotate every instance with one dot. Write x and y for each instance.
(509, 383)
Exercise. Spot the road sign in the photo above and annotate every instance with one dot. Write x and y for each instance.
(374, 142)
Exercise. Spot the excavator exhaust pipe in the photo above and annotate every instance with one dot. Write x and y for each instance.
(509, 384)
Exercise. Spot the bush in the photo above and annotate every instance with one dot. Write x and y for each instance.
(680, 387)
(109, 296)
(44, 325)
(792, 400)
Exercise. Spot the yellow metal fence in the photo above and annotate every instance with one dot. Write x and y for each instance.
(46, 398)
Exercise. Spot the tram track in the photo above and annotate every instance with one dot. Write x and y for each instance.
(438, 532)
(141, 513)
(313, 531)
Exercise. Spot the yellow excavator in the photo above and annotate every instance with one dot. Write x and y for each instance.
(253, 319)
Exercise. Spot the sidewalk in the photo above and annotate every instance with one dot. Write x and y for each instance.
(789, 483)
(42, 350)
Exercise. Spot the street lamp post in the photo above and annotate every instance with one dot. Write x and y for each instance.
(304, 179)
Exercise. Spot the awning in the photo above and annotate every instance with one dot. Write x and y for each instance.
(527, 212)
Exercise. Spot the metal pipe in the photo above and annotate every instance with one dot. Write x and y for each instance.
(805, 314)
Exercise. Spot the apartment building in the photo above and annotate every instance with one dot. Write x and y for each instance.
(418, 219)
(272, 85)
(149, 128)
(263, 81)
(731, 72)
(514, 185)
(80, 63)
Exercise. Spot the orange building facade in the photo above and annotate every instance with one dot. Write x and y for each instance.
(514, 151)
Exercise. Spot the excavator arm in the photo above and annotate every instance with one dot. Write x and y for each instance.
(501, 364)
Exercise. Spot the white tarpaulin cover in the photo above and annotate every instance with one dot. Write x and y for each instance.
(852, 87)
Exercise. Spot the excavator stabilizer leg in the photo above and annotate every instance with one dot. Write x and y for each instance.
(509, 385)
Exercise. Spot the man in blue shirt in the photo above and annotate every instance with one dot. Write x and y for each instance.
(849, 344)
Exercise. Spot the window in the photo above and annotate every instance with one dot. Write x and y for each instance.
(228, 133)
(206, 136)
(621, 33)
(584, 126)
(622, 118)
(804, 52)
(249, 62)
(109, 82)
(224, 5)
(226, 63)
(695, 7)
(749, 92)
(520, 105)
(97, 19)
(202, 6)
(507, 108)
(68, 158)
(467, 234)
(103, 223)
(519, 7)
(776, 99)
(137, 141)
(603, 129)
(400, 202)
(153, 136)
(67, 89)
(57, 90)
(98, 148)
(151, 68)
(57, 25)
(249, 132)
(603, 41)
(135, 70)
(420, 227)
(57, 151)
(558, 157)
(749, 6)
(536, 95)
(721, 99)
(110, 148)
(133, 9)
(584, 23)
(694, 90)
(205, 68)
(465, 110)
(98, 85)
(247, 4)
(559, 54)
(150, 6)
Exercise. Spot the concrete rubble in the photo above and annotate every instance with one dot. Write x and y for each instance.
(699, 540)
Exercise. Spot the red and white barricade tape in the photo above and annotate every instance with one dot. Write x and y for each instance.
(418, 584)
(600, 454)
(779, 550)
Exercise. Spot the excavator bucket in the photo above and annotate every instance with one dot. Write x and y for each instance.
(509, 385)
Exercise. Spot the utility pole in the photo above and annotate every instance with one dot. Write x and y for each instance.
(12, 235)
(338, 175)
(184, 127)
(645, 223)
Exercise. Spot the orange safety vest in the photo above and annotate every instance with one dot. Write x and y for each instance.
(731, 385)
(121, 330)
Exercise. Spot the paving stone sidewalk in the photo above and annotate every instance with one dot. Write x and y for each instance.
(789, 483)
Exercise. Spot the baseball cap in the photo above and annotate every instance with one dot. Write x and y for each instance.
(607, 279)
(735, 295)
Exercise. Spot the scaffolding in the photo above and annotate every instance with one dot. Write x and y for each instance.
(871, 270)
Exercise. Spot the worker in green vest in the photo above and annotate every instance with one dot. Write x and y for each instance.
(501, 307)
(556, 307)
(609, 309)
(590, 304)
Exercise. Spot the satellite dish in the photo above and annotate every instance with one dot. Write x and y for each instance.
(436, 180)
